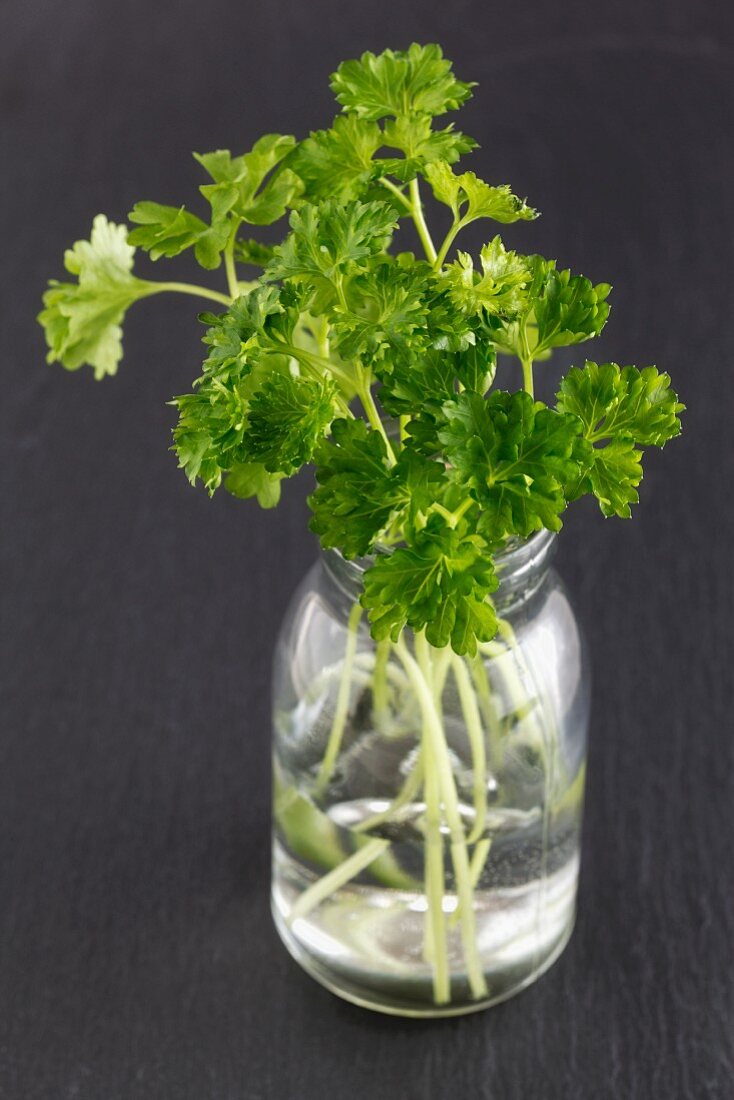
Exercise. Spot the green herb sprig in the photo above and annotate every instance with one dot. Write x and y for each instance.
(377, 365)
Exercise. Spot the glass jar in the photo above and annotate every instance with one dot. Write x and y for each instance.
(427, 806)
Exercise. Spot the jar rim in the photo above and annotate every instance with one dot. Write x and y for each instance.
(518, 558)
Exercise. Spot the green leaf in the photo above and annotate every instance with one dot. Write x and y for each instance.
(498, 290)
(413, 386)
(253, 252)
(613, 401)
(614, 475)
(387, 313)
(239, 182)
(170, 230)
(418, 80)
(514, 456)
(82, 320)
(327, 243)
(356, 492)
(440, 583)
(251, 479)
(210, 437)
(566, 309)
(232, 333)
(338, 163)
(471, 198)
(619, 408)
(327, 240)
(287, 418)
(422, 145)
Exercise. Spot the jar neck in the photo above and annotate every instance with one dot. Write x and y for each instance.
(521, 568)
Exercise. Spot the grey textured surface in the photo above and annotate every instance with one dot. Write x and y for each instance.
(137, 959)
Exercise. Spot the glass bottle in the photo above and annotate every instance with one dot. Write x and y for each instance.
(427, 807)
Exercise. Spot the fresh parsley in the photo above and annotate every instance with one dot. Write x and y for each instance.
(379, 366)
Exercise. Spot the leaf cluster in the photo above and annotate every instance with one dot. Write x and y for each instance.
(378, 366)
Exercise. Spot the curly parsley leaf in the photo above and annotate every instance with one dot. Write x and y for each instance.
(567, 309)
(422, 146)
(440, 583)
(250, 479)
(338, 163)
(170, 230)
(471, 198)
(327, 241)
(514, 456)
(620, 408)
(82, 320)
(386, 315)
(240, 185)
(499, 289)
(253, 252)
(287, 417)
(231, 334)
(395, 83)
(356, 491)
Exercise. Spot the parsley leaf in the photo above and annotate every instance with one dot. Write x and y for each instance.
(251, 479)
(513, 455)
(338, 163)
(441, 582)
(82, 320)
(619, 408)
(287, 418)
(169, 230)
(497, 290)
(567, 309)
(471, 198)
(327, 241)
(418, 80)
(422, 145)
(239, 182)
(387, 314)
(356, 492)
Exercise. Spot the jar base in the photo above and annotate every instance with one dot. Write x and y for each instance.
(360, 996)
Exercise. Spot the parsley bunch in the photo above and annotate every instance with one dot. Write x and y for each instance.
(376, 364)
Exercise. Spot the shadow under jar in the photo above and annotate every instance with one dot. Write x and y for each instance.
(428, 806)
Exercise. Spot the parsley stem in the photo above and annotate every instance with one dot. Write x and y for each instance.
(526, 360)
(342, 874)
(420, 221)
(368, 401)
(229, 264)
(447, 242)
(191, 288)
(527, 376)
(342, 701)
(436, 747)
(397, 192)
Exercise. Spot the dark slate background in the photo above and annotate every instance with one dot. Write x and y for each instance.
(137, 958)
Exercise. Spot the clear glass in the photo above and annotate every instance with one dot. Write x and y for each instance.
(428, 807)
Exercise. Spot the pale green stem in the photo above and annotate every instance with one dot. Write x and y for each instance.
(420, 221)
(479, 858)
(342, 702)
(338, 877)
(397, 193)
(404, 797)
(380, 693)
(434, 942)
(368, 401)
(475, 733)
(448, 240)
(526, 360)
(191, 288)
(229, 264)
(484, 694)
(435, 743)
